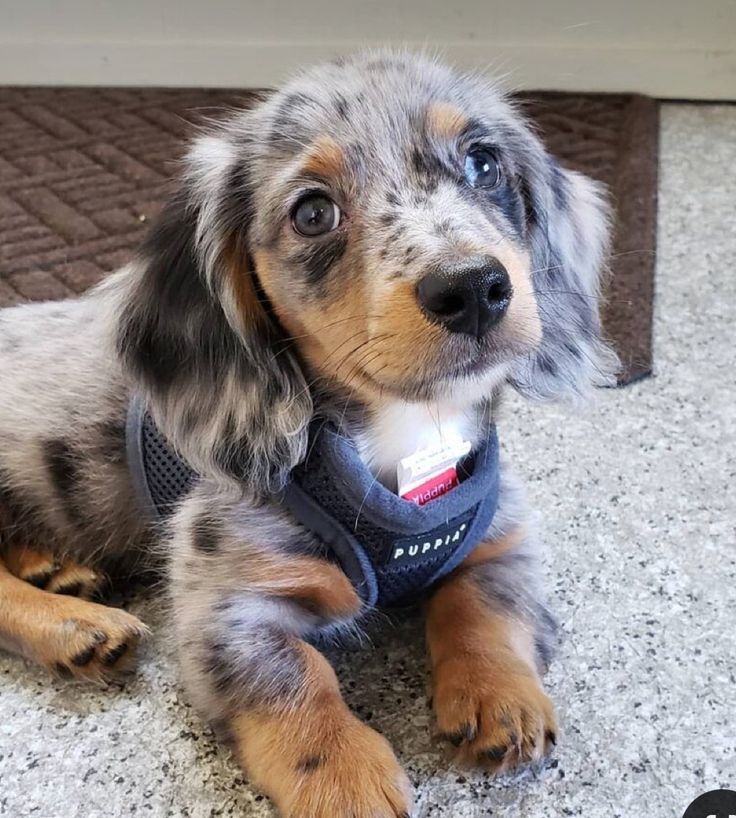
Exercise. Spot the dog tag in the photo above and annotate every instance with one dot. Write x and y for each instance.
(430, 473)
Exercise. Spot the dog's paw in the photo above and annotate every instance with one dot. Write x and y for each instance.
(43, 569)
(496, 713)
(356, 777)
(87, 641)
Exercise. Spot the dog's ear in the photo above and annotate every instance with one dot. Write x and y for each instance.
(568, 228)
(196, 335)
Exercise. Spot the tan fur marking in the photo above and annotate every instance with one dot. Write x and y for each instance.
(243, 289)
(55, 574)
(307, 757)
(445, 120)
(26, 563)
(361, 348)
(324, 158)
(412, 343)
(77, 580)
(522, 319)
(365, 348)
(267, 272)
(493, 549)
(343, 334)
(487, 694)
(65, 634)
(318, 584)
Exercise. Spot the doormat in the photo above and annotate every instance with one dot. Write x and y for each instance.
(83, 171)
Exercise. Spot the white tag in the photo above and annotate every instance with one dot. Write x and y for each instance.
(423, 465)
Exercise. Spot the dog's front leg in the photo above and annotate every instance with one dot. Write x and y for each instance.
(488, 637)
(242, 615)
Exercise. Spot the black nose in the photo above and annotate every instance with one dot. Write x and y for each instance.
(469, 298)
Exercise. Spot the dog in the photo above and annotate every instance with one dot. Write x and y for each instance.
(379, 249)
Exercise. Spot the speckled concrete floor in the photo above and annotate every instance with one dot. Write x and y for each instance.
(639, 517)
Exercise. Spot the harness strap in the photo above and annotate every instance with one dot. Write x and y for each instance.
(390, 548)
(161, 478)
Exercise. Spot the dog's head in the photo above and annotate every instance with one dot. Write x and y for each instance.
(382, 225)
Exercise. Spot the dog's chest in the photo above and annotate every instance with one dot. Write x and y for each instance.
(399, 429)
(393, 549)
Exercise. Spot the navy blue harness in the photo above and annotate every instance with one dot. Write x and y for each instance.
(390, 548)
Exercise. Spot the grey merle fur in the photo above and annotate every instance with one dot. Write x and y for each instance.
(233, 392)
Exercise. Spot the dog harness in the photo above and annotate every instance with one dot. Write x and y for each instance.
(391, 549)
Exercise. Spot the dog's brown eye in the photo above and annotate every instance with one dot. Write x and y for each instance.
(482, 168)
(315, 215)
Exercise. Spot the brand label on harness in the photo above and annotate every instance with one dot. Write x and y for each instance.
(440, 542)
(430, 473)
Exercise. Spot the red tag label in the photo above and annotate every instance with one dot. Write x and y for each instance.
(434, 487)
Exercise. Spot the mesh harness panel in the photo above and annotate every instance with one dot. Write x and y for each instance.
(161, 477)
(390, 548)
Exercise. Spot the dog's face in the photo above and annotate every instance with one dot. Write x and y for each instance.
(393, 223)
(397, 224)
(389, 228)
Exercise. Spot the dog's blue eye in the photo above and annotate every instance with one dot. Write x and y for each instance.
(314, 215)
(482, 168)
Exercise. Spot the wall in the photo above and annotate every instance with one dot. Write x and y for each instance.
(670, 48)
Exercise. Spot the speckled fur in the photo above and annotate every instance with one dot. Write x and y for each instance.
(63, 474)
(238, 332)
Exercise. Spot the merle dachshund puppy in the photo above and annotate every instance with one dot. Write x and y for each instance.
(379, 249)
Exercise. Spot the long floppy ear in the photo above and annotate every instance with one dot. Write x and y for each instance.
(568, 224)
(196, 336)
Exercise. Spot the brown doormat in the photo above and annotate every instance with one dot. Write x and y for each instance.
(615, 138)
(82, 172)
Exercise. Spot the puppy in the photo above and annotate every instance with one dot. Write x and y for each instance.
(348, 273)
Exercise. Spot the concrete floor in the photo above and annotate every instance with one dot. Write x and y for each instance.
(639, 512)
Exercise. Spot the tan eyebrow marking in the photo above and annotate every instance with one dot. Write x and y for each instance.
(446, 120)
(324, 158)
